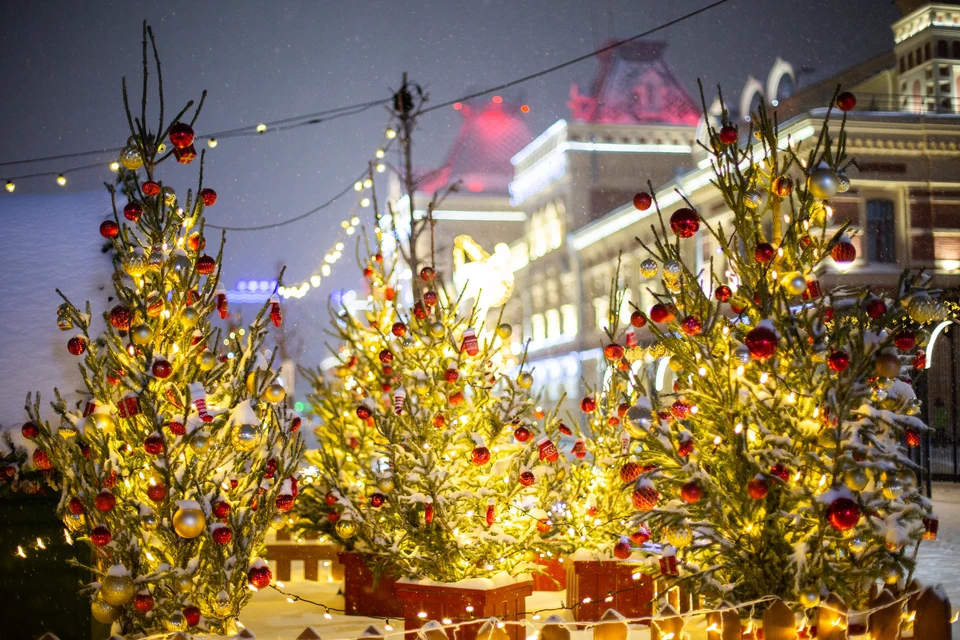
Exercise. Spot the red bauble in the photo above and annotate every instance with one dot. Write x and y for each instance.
(132, 211)
(206, 265)
(100, 535)
(270, 468)
(588, 404)
(905, 340)
(876, 308)
(613, 351)
(196, 242)
(76, 506)
(642, 201)
(661, 313)
(157, 492)
(846, 101)
(221, 509)
(399, 329)
(109, 229)
(912, 437)
(427, 274)
(644, 498)
(260, 577)
(728, 134)
(120, 318)
(691, 491)
(691, 326)
(641, 535)
(764, 252)
(522, 434)
(209, 197)
(527, 478)
(162, 369)
(330, 498)
(780, 471)
(377, 500)
(843, 514)
(680, 409)
(181, 135)
(920, 362)
(637, 319)
(419, 311)
(622, 550)
(430, 298)
(843, 252)
(143, 602)
(630, 471)
(451, 375)
(762, 343)
(544, 526)
(29, 430)
(564, 429)
(153, 444)
(363, 412)
(386, 357)
(41, 461)
(77, 345)
(783, 186)
(684, 222)
(295, 424)
(838, 361)
(192, 614)
(480, 456)
(722, 293)
(150, 188)
(284, 502)
(757, 488)
(177, 428)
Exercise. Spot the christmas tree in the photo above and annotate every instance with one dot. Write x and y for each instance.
(777, 464)
(174, 461)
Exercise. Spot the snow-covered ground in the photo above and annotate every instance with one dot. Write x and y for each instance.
(270, 617)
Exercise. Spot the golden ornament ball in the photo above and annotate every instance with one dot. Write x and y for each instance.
(130, 158)
(887, 365)
(889, 404)
(183, 584)
(200, 444)
(504, 331)
(793, 283)
(525, 380)
(206, 361)
(637, 421)
(169, 196)
(189, 318)
(385, 484)
(189, 522)
(346, 529)
(679, 536)
(275, 393)
(104, 613)
(277, 521)
(878, 395)
(117, 590)
(908, 479)
(809, 599)
(221, 604)
(101, 421)
(856, 479)
(245, 437)
(149, 521)
(892, 576)
(135, 264)
(656, 350)
(176, 622)
(635, 354)
(892, 489)
(251, 379)
(858, 545)
(649, 268)
(73, 521)
(421, 386)
(672, 270)
(141, 334)
(922, 308)
(437, 330)
(675, 364)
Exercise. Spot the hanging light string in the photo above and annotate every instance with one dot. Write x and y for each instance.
(296, 121)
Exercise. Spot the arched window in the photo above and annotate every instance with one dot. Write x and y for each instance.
(917, 99)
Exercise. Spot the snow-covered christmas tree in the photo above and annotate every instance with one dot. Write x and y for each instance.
(179, 454)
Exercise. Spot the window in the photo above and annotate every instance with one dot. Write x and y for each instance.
(956, 49)
(601, 308)
(903, 66)
(910, 60)
(553, 324)
(881, 233)
(569, 315)
(538, 328)
(941, 48)
(926, 51)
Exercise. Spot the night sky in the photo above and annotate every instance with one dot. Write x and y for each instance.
(62, 63)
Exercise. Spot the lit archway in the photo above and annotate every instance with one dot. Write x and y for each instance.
(940, 328)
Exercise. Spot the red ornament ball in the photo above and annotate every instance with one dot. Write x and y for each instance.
(398, 329)
(728, 134)
(192, 612)
(284, 502)
(209, 196)
(723, 293)
(143, 602)
(162, 369)
(644, 497)
(153, 444)
(196, 242)
(480, 456)
(427, 274)
(177, 428)
(120, 318)
(295, 424)
(150, 188)
(757, 488)
(642, 201)
(843, 514)
(691, 492)
(221, 509)
(764, 252)
(522, 434)
(41, 460)
(761, 341)
(780, 471)
(588, 404)
(613, 351)
(641, 535)
(846, 101)
(680, 409)
(333, 516)
(430, 298)
(622, 550)
(157, 492)
(630, 471)
(109, 229)
(363, 412)
(419, 311)
(843, 252)
(29, 430)
(377, 500)
(100, 535)
(684, 222)
(181, 135)
(783, 186)
(260, 577)
(386, 357)
(661, 313)
(451, 375)
(527, 478)
(77, 345)
(920, 361)
(912, 437)
(76, 506)
(132, 211)
(637, 319)
(838, 361)
(876, 308)
(691, 326)
(905, 340)
(206, 265)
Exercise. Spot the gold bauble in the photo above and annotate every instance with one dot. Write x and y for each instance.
(141, 334)
(878, 395)
(856, 479)
(634, 354)
(892, 576)
(889, 404)
(922, 308)
(101, 421)
(887, 365)
(385, 484)
(189, 522)
(135, 264)
(275, 393)
(73, 520)
(130, 158)
(278, 521)
(346, 529)
(504, 331)
(675, 364)
(149, 521)
(221, 605)
(672, 270)
(809, 599)
(884, 383)
(200, 443)
(823, 183)
(169, 196)
(437, 330)
(656, 350)
(183, 584)
(117, 590)
(908, 479)
(752, 199)
(206, 361)
(421, 386)
(251, 379)
(245, 437)
(525, 380)
(858, 545)
(189, 318)
(793, 283)
(104, 613)
(637, 421)
(176, 622)
(892, 489)
(678, 535)
(649, 268)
